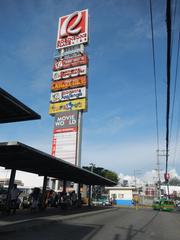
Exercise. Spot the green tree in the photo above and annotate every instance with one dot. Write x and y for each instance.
(104, 173)
(174, 181)
(111, 175)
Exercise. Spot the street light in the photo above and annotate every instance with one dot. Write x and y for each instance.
(92, 166)
(136, 171)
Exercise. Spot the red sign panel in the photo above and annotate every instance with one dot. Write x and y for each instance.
(166, 176)
(71, 62)
(70, 72)
(72, 29)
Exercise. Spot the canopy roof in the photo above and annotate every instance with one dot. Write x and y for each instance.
(12, 110)
(16, 155)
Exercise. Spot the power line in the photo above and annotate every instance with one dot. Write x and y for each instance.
(178, 120)
(174, 17)
(175, 85)
(155, 78)
(156, 99)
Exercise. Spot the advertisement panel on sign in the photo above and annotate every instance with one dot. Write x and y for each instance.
(70, 52)
(71, 62)
(70, 72)
(67, 120)
(72, 29)
(64, 145)
(68, 94)
(69, 83)
(79, 104)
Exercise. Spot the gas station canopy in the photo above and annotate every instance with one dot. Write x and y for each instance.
(16, 155)
(12, 110)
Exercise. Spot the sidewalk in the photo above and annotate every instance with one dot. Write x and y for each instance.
(24, 219)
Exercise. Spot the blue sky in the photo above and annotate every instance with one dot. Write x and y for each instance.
(119, 131)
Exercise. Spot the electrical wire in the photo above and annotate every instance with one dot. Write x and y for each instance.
(174, 17)
(178, 121)
(175, 86)
(155, 78)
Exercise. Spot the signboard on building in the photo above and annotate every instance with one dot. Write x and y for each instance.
(64, 145)
(65, 121)
(69, 94)
(70, 72)
(78, 104)
(69, 83)
(72, 29)
(71, 62)
(69, 86)
(69, 52)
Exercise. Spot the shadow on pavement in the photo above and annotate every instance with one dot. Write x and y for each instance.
(132, 232)
(26, 214)
(47, 225)
(48, 230)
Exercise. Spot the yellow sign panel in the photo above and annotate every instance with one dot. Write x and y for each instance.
(78, 104)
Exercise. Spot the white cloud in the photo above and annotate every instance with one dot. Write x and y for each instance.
(148, 177)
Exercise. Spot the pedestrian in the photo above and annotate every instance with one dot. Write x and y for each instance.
(14, 201)
(35, 195)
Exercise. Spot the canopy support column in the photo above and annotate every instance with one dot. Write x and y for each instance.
(64, 186)
(11, 183)
(89, 196)
(43, 203)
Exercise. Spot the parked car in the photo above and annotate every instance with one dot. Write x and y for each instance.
(177, 203)
(101, 201)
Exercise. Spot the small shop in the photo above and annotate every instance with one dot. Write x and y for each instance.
(122, 196)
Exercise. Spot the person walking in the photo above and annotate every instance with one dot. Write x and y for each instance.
(14, 194)
(35, 197)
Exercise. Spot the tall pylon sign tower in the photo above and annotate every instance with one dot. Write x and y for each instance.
(69, 86)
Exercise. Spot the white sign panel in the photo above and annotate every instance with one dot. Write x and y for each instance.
(69, 94)
(64, 146)
(70, 72)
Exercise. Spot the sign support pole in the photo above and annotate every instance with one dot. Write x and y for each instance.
(79, 139)
(78, 146)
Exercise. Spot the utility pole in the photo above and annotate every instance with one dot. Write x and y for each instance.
(168, 68)
(136, 171)
(160, 153)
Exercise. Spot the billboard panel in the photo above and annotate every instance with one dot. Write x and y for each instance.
(68, 94)
(66, 120)
(72, 29)
(70, 72)
(71, 62)
(79, 104)
(69, 83)
(64, 145)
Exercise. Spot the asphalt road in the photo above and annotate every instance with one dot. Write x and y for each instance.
(115, 224)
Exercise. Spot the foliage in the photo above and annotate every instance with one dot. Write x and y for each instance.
(103, 172)
(174, 181)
